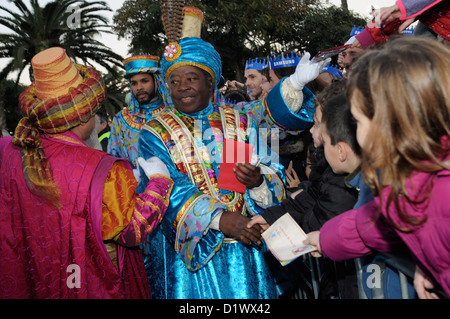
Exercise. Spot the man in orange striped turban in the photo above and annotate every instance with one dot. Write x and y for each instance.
(70, 218)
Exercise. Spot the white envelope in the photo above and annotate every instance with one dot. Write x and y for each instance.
(285, 240)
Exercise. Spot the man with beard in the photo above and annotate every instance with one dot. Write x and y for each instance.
(253, 77)
(146, 103)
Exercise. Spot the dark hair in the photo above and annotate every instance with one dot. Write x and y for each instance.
(266, 72)
(102, 115)
(337, 87)
(339, 122)
(283, 72)
(236, 96)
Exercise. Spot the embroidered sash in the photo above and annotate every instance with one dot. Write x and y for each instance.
(186, 144)
(135, 121)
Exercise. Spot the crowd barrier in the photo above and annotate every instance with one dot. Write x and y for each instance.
(378, 276)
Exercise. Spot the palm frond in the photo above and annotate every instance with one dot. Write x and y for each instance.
(34, 28)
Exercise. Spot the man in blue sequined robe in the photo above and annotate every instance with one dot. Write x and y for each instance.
(192, 255)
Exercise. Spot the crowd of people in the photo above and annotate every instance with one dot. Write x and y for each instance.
(357, 153)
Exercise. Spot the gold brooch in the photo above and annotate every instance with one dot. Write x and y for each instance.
(172, 52)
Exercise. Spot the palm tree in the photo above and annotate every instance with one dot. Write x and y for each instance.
(344, 5)
(117, 88)
(71, 24)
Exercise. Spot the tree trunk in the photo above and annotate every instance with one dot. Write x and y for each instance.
(2, 110)
(344, 5)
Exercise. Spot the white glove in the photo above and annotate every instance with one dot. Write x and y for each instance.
(307, 71)
(153, 166)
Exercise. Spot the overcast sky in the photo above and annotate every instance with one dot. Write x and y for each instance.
(362, 7)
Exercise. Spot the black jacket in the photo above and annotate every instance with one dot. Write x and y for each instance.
(324, 196)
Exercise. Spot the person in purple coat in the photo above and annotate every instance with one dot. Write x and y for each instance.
(406, 10)
(399, 99)
(433, 20)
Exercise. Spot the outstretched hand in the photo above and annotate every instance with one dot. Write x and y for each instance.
(258, 220)
(306, 71)
(234, 225)
(423, 285)
(312, 239)
(292, 179)
(386, 14)
(235, 85)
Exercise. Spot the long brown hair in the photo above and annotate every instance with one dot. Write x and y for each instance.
(404, 88)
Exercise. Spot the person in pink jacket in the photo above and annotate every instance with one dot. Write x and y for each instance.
(399, 94)
(392, 20)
